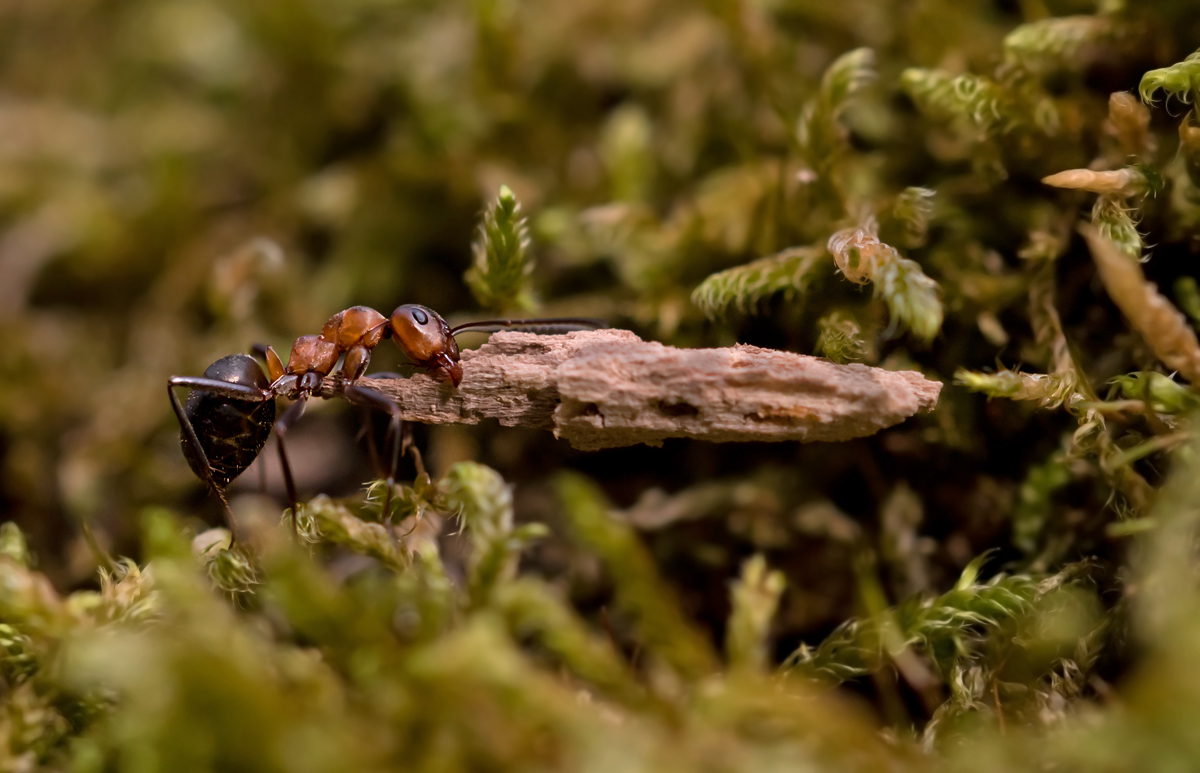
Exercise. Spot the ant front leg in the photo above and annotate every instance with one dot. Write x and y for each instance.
(367, 430)
(399, 435)
(448, 367)
(355, 363)
(398, 428)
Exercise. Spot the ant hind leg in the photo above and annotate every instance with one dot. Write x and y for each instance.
(196, 451)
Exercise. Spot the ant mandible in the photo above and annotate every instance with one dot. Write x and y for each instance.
(228, 416)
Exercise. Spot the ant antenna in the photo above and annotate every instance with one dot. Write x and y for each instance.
(552, 323)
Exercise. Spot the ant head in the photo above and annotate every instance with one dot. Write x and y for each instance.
(422, 334)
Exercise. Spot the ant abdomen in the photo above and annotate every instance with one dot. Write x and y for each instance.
(230, 432)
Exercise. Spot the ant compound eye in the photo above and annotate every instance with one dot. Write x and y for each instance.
(420, 317)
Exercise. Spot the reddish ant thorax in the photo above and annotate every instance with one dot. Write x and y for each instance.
(355, 331)
(312, 354)
(356, 326)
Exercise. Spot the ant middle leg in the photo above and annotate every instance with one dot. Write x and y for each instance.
(294, 412)
(367, 432)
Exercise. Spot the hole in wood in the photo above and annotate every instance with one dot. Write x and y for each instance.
(678, 408)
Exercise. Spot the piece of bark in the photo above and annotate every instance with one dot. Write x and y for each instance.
(608, 388)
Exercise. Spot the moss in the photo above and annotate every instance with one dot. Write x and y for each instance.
(892, 184)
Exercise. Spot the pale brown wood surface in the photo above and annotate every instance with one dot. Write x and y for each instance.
(608, 388)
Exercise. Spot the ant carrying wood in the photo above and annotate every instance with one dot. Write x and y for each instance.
(228, 416)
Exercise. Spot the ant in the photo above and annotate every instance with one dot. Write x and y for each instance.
(228, 416)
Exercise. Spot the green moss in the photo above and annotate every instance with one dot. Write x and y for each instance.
(185, 178)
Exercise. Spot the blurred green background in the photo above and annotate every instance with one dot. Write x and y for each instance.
(181, 179)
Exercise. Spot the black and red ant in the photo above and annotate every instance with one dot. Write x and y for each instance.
(227, 418)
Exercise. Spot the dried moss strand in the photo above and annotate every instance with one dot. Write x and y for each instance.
(1162, 325)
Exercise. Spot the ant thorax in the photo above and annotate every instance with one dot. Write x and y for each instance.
(312, 353)
(356, 326)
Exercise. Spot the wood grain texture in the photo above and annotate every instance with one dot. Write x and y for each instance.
(608, 388)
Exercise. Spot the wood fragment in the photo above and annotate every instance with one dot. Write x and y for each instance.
(609, 388)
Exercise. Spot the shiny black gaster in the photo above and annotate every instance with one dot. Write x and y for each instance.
(231, 432)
